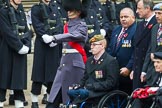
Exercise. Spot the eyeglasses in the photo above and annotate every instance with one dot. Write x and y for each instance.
(94, 44)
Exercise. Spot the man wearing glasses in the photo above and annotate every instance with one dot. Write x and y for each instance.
(101, 73)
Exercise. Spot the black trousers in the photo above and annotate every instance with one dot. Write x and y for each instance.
(18, 95)
(36, 87)
(56, 102)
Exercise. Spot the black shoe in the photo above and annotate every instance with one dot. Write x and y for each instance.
(25, 103)
(34, 105)
(11, 100)
(44, 100)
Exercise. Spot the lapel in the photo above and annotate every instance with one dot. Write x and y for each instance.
(115, 37)
(144, 32)
(121, 41)
(93, 66)
(154, 37)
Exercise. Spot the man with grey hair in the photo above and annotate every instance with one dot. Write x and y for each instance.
(142, 39)
(121, 44)
(155, 46)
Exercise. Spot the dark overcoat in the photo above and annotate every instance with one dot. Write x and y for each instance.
(142, 41)
(46, 58)
(103, 75)
(93, 28)
(13, 66)
(123, 52)
(71, 67)
(155, 46)
(102, 19)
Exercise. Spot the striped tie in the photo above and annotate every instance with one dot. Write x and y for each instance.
(159, 32)
(120, 37)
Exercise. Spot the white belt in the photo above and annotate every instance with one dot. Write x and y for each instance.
(69, 51)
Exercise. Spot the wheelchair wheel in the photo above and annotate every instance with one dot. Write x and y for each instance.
(114, 99)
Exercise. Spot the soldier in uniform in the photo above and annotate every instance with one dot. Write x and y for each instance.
(72, 65)
(101, 73)
(15, 39)
(62, 11)
(93, 28)
(45, 20)
(102, 19)
(121, 47)
(1, 3)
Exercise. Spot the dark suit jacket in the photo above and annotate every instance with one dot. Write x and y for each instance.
(148, 65)
(103, 75)
(122, 52)
(142, 41)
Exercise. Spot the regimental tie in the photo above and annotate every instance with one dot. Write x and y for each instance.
(120, 37)
(159, 40)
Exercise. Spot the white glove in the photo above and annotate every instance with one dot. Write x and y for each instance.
(47, 38)
(103, 32)
(24, 50)
(52, 44)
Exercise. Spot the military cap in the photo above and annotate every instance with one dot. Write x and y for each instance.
(158, 6)
(96, 38)
(158, 55)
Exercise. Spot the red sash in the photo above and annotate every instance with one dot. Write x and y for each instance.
(76, 46)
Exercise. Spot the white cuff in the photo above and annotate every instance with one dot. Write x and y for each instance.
(143, 73)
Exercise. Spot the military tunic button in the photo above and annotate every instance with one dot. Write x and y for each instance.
(63, 64)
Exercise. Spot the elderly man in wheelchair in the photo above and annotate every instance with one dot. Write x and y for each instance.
(150, 96)
(100, 77)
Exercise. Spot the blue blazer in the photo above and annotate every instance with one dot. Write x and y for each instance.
(124, 50)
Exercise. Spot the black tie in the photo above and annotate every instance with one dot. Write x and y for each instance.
(159, 79)
(145, 23)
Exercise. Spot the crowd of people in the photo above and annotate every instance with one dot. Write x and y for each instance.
(80, 51)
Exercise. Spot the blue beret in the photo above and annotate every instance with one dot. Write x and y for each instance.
(158, 55)
(158, 6)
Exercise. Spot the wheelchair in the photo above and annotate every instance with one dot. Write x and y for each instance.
(151, 99)
(113, 99)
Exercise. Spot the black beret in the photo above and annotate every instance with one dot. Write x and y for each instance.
(158, 55)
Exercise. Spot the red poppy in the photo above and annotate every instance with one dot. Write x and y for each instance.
(150, 26)
(125, 35)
